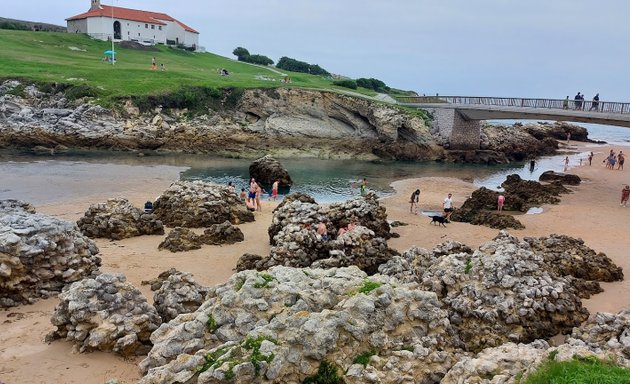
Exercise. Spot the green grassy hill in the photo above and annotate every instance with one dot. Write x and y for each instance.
(70, 58)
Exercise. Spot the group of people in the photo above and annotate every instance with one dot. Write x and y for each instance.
(613, 159)
(154, 65)
(253, 197)
(578, 101)
(447, 204)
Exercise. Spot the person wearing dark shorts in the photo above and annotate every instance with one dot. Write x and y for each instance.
(448, 206)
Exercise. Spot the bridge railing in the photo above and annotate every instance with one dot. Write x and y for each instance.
(579, 105)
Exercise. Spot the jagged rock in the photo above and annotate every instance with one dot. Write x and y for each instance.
(563, 178)
(501, 292)
(181, 240)
(498, 364)
(557, 130)
(605, 332)
(278, 326)
(267, 170)
(520, 195)
(224, 233)
(249, 261)
(359, 247)
(105, 313)
(196, 204)
(177, 293)
(299, 196)
(514, 143)
(40, 254)
(567, 256)
(295, 242)
(118, 219)
(297, 213)
(10, 205)
(533, 192)
(365, 211)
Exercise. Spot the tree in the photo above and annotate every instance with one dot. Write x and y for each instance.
(259, 59)
(241, 53)
(293, 65)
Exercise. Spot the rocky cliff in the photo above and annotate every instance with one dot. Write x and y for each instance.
(283, 122)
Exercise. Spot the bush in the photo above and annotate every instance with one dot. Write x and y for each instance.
(195, 99)
(243, 55)
(14, 25)
(293, 65)
(326, 374)
(259, 59)
(373, 84)
(79, 91)
(346, 83)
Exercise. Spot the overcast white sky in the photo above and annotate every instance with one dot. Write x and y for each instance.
(529, 48)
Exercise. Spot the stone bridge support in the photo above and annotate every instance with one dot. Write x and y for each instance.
(455, 129)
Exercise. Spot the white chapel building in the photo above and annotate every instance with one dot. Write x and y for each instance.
(132, 24)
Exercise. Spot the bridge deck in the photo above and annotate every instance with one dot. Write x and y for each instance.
(490, 108)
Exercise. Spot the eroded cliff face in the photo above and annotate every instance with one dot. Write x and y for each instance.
(282, 122)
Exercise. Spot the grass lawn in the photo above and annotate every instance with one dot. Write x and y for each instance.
(579, 371)
(77, 59)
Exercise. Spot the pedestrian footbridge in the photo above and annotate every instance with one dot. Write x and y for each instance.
(458, 117)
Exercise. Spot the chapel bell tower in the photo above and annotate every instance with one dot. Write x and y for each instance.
(96, 4)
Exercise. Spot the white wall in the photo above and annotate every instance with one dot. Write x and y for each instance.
(77, 26)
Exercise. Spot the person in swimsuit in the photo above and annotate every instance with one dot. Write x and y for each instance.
(500, 202)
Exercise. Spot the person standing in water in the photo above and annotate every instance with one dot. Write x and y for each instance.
(363, 187)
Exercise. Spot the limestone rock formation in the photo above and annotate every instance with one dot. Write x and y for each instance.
(248, 123)
(501, 364)
(196, 204)
(178, 293)
(504, 291)
(520, 195)
(267, 170)
(278, 326)
(224, 233)
(118, 219)
(295, 242)
(105, 313)
(365, 211)
(181, 240)
(40, 254)
(515, 143)
(605, 332)
(567, 256)
(303, 197)
(557, 130)
(563, 178)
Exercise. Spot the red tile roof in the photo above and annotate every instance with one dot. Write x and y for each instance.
(131, 14)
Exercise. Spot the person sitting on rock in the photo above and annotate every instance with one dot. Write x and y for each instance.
(322, 230)
(243, 194)
(148, 207)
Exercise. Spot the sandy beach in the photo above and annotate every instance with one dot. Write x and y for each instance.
(592, 212)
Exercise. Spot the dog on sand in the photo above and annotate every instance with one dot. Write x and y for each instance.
(439, 220)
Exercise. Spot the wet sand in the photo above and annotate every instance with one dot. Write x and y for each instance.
(592, 213)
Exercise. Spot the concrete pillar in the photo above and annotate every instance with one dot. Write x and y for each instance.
(455, 129)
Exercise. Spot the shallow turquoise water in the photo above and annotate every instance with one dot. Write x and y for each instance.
(46, 179)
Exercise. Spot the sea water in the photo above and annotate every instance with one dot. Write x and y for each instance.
(46, 179)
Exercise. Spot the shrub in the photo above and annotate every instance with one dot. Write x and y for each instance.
(346, 83)
(373, 84)
(14, 25)
(195, 99)
(368, 286)
(326, 374)
(243, 54)
(79, 91)
(364, 358)
(211, 323)
(293, 65)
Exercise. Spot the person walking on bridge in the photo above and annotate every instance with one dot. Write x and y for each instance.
(578, 101)
(595, 103)
(565, 103)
